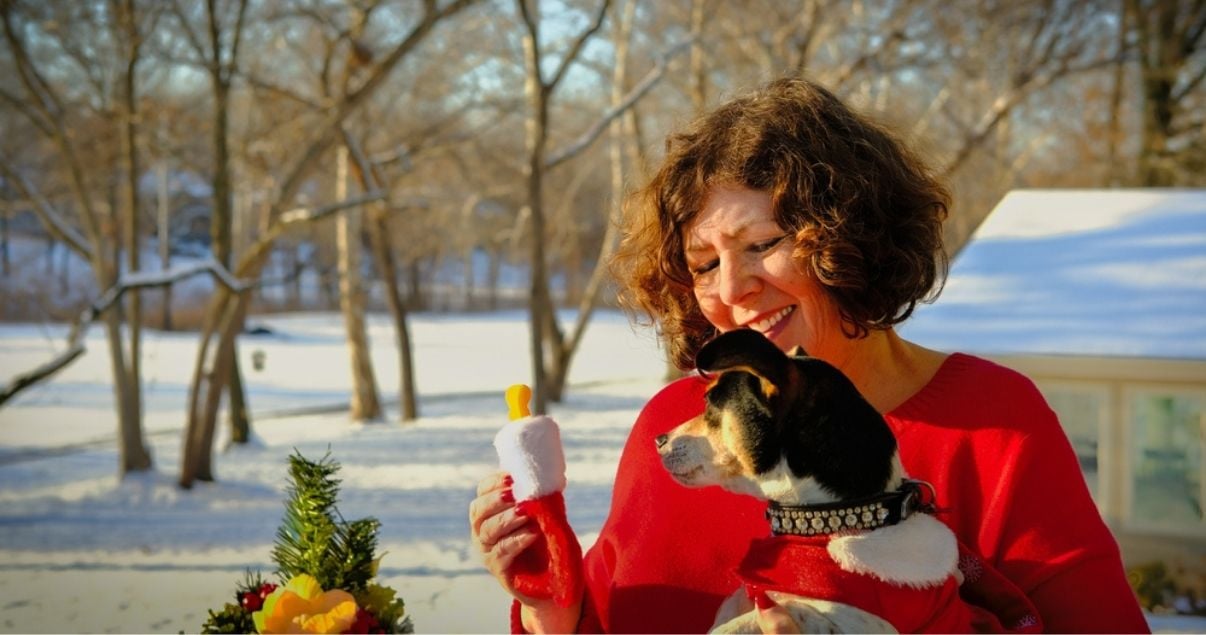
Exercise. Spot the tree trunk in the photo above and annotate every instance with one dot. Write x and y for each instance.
(535, 139)
(330, 287)
(210, 374)
(240, 418)
(133, 455)
(221, 224)
(562, 348)
(416, 299)
(64, 271)
(468, 277)
(1160, 60)
(164, 236)
(1114, 169)
(492, 279)
(388, 269)
(296, 268)
(365, 404)
(698, 73)
(136, 456)
(5, 262)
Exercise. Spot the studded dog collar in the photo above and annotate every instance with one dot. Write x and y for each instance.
(871, 512)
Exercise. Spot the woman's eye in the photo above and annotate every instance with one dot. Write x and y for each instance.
(699, 270)
(767, 245)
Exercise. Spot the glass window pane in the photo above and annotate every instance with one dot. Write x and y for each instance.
(1167, 459)
(1080, 411)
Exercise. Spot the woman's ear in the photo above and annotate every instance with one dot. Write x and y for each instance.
(745, 349)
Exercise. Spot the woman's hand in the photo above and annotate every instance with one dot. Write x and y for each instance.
(497, 526)
(502, 532)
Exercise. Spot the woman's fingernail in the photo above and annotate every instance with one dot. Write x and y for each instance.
(508, 496)
(508, 481)
(521, 512)
(762, 600)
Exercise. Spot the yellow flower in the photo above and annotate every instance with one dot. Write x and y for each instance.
(301, 606)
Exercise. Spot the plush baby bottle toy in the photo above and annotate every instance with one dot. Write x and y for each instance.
(529, 448)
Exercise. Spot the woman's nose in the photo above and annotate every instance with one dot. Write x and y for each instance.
(737, 280)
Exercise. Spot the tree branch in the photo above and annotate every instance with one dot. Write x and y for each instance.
(646, 84)
(75, 338)
(54, 223)
(576, 48)
(34, 116)
(328, 128)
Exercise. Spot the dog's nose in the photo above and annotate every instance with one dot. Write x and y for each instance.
(661, 440)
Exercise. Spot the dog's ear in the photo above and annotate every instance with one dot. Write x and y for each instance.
(749, 350)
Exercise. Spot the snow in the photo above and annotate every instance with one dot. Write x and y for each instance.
(81, 551)
(1078, 272)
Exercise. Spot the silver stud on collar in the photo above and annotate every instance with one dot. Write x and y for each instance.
(865, 514)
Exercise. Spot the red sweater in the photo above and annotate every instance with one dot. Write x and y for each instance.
(980, 433)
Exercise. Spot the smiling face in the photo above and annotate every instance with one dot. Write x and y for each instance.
(745, 275)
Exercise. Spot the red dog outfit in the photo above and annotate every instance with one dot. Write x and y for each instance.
(917, 592)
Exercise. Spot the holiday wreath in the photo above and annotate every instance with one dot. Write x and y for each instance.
(325, 568)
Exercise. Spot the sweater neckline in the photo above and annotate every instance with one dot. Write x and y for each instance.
(934, 390)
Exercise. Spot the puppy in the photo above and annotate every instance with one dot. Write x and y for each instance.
(852, 548)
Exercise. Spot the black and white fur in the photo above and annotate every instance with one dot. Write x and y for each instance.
(795, 430)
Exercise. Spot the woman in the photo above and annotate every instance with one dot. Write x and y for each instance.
(785, 212)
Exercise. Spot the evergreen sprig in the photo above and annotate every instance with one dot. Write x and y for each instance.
(313, 538)
(232, 618)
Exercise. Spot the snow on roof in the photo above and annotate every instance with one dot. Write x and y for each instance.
(1078, 272)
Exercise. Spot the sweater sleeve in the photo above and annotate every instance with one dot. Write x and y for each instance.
(1050, 538)
(669, 407)
(652, 552)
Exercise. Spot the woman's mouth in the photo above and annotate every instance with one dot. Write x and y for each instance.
(764, 326)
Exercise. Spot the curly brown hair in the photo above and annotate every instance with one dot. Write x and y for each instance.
(866, 211)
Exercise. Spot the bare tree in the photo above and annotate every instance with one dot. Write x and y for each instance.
(369, 178)
(221, 322)
(45, 107)
(981, 93)
(551, 350)
(366, 406)
(216, 51)
(538, 92)
(127, 32)
(1170, 38)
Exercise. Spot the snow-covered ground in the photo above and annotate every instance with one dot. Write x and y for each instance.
(81, 551)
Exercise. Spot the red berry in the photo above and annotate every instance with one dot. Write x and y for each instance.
(251, 601)
(365, 623)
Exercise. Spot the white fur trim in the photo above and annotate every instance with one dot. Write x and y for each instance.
(530, 450)
(918, 552)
